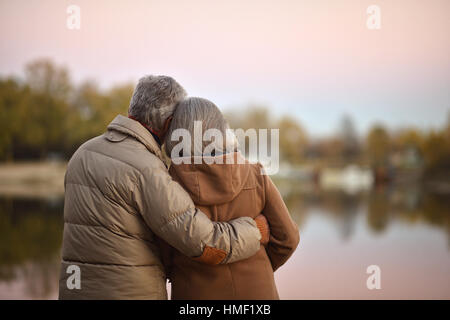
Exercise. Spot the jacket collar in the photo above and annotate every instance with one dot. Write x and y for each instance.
(136, 130)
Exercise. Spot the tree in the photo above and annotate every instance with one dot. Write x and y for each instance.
(436, 150)
(34, 112)
(408, 138)
(12, 102)
(251, 117)
(378, 146)
(349, 138)
(44, 77)
(44, 124)
(292, 140)
(93, 110)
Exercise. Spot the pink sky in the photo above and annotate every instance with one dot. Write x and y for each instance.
(315, 59)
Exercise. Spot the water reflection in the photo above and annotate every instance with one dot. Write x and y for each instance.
(383, 205)
(401, 228)
(404, 230)
(30, 240)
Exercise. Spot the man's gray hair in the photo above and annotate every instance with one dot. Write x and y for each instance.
(155, 99)
(199, 109)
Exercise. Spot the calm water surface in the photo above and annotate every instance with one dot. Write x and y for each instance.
(405, 232)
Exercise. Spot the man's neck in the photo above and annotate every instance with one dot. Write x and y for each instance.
(152, 132)
(158, 140)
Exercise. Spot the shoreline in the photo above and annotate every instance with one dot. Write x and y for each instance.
(32, 179)
(45, 179)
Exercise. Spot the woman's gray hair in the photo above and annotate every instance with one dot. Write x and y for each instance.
(195, 109)
(154, 100)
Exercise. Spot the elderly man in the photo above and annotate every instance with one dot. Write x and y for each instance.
(119, 198)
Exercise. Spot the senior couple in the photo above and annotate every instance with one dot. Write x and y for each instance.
(216, 230)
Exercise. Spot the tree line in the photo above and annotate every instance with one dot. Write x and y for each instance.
(379, 147)
(45, 115)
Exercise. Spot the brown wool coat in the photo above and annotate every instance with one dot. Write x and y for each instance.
(224, 192)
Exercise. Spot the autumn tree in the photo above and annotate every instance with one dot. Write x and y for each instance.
(292, 140)
(349, 139)
(377, 146)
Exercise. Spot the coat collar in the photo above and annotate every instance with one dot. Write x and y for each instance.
(136, 130)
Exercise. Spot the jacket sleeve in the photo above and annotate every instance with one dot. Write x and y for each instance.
(284, 233)
(170, 213)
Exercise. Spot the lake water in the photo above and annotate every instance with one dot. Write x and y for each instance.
(406, 232)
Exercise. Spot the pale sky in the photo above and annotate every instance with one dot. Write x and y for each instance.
(314, 60)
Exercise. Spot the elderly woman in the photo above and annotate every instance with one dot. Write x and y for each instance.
(224, 192)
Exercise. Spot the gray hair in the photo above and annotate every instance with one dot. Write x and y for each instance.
(199, 109)
(154, 100)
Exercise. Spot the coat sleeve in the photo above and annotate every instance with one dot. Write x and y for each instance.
(284, 233)
(170, 213)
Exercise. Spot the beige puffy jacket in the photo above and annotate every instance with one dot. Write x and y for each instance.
(119, 197)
